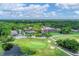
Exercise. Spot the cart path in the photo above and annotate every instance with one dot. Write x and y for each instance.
(67, 52)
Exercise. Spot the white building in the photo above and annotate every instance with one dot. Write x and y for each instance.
(75, 30)
(14, 33)
(47, 29)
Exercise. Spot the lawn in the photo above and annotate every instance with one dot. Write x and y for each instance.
(65, 36)
(73, 35)
(41, 46)
(54, 33)
(33, 44)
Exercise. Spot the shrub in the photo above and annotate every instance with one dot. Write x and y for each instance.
(6, 42)
(72, 45)
(38, 34)
(27, 51)
(30, 52)
(7, 46)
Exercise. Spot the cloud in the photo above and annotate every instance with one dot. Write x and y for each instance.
(33, 8)
(10, 6)
(68, 9)
(45, 10)
(67, 5)
(1, 12)
(22, 10)
(62, 6)
(76, 12)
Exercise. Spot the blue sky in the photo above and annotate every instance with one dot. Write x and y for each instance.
(39, 11)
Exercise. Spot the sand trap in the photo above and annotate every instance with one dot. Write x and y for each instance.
(49, 41)
(52, 47)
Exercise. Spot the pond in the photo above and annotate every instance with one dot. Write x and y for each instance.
(15, 51)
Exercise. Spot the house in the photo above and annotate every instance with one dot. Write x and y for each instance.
(75, 30)
(29, 30)
(14, 33)
(48, 29)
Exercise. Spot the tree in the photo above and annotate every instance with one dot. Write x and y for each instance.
(1, 31)
(47, 34)
(65, 30)
(70, 44)
(4, 31)
(7, 39)
(6, 42)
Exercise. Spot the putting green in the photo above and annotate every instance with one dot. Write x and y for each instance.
(36, 45)
(31, 44)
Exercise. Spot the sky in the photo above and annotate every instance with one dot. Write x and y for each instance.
(39, 10)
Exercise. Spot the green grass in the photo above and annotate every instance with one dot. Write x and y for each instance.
(73, 35)
(41, 46)
(54, 33)
(67, 36)
(50, 52)
(1, 50)
(33, 44)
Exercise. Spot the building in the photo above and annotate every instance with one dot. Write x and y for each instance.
(75, 30)
(14, 33)
(29, 30)
(48, 29)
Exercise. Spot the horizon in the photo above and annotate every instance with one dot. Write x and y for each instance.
(39, 19)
